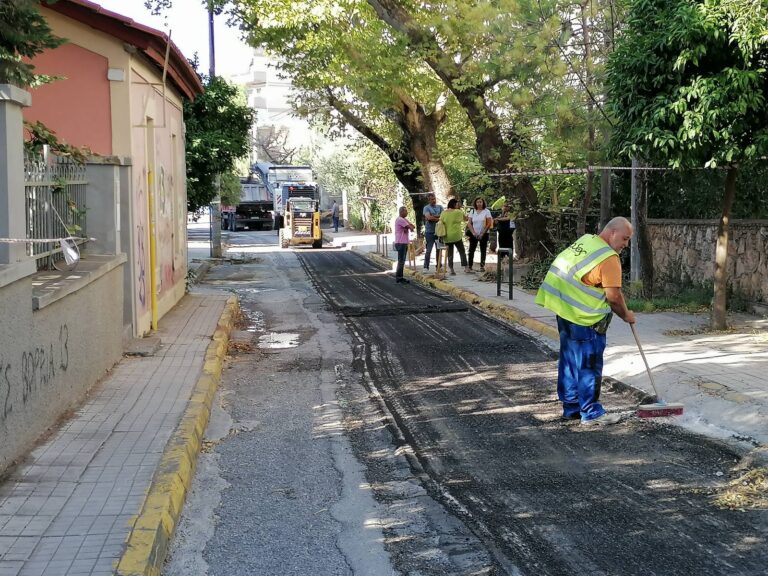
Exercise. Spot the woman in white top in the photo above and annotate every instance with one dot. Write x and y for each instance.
(478, 229)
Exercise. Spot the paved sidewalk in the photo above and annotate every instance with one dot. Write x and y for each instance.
(719, 377)
(71, 506)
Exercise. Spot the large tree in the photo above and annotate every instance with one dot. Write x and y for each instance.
(347, 68)
(218, 128)
(688, 84)
(478, 50)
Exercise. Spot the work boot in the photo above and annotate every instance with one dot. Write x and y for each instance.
(453, 272)
(468, 270)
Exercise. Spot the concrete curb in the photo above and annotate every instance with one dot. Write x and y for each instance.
(198, 270)
(147, 545)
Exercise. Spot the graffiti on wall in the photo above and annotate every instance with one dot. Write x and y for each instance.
(34, 371)
(140, 242)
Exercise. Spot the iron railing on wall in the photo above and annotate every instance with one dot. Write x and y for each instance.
(54, 192)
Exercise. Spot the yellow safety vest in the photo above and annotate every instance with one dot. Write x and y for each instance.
(562, 290)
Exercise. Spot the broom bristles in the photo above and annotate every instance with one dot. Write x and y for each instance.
(659, 410)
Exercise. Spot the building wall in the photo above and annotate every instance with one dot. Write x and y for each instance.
(83, 93)
(86, 58)
(49, 358)
(270, 96)
(157, 136)
(125, 117)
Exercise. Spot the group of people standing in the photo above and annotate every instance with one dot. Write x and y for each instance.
(455, 225)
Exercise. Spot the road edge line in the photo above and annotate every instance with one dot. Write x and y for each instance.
(147, 545)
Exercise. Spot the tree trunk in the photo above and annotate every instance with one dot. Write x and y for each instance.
(643, 238)
(404, 164)
(721, 253)
(420, 130)
(420, 133)
(493, 149)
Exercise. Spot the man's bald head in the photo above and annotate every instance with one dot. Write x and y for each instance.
(617, 233)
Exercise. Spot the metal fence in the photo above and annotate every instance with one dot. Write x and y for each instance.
(54, 192)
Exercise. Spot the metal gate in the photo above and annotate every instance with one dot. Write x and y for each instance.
(54, 192)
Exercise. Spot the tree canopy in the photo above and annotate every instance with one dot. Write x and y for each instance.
(688, 82)
(218, 124)
(688, 86)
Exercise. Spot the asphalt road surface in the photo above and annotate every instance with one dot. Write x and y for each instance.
(475, 401)
(366, 427)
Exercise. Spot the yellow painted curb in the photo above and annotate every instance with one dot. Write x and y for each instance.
(492, 307)
(147, 545)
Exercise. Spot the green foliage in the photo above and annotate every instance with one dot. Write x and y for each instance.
(688, 82)
(39, 135)
(360, 170)
(679, 296)
(24, 33)
(697, 194)
(218, 124)
(230, 189)
(537, 270)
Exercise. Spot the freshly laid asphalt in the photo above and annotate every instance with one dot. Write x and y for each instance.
(474, 400)
(719, 377)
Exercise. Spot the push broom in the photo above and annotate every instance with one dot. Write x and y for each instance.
(659, 408)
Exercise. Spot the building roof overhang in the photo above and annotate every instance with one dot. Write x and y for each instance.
(152, 43)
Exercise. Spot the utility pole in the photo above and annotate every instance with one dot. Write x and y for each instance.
(215, 230)
(634, 247)
(605, 197)
(211, 43)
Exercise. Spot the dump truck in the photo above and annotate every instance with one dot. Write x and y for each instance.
(254, 210)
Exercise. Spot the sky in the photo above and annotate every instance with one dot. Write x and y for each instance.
(188, 24)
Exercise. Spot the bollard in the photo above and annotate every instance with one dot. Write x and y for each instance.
(378, 243)
(500, 252)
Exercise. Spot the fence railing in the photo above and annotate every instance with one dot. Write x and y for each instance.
(55, 208)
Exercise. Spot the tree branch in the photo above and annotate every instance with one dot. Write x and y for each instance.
(358, 124)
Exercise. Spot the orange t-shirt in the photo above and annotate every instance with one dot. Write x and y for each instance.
(607, 274)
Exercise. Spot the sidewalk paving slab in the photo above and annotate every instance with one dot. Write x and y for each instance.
(71, 506)
(718, 376)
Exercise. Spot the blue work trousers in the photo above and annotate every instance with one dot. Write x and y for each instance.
(430, 243)
(335, 223)
(580, 370)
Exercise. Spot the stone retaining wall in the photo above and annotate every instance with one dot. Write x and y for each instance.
(684, 252)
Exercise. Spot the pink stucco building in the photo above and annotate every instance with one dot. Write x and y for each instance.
(122, 93)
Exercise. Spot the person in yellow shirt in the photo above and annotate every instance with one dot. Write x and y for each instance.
(583, 288)
(454, 220)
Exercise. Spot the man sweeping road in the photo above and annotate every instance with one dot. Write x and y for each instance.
(583, 288)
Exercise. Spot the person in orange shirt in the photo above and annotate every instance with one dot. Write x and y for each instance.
(583, 288)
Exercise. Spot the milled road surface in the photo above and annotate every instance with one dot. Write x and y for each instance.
(475, 401)
(367, 428)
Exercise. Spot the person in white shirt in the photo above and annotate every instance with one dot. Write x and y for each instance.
(478, 229)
